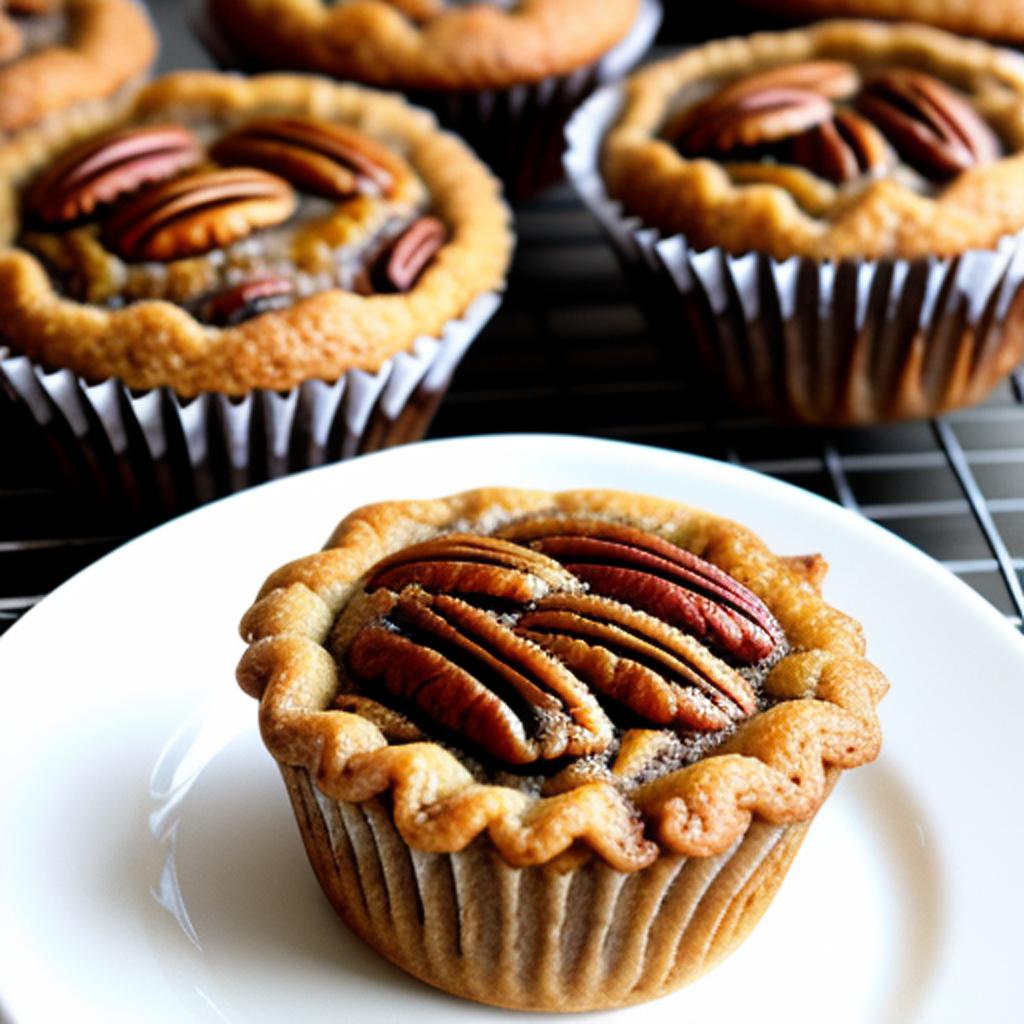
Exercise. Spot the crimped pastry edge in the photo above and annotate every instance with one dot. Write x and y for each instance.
(776, 766)
(697, 198)
(476, 47)
(155, 343)
(112, 43)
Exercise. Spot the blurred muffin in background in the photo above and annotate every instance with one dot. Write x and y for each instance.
(75, 59)
(239, 277)
(834, 215)
(504, 74)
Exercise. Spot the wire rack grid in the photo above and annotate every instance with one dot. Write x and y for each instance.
(570, 352)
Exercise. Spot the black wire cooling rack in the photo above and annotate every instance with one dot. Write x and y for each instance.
(570, 352)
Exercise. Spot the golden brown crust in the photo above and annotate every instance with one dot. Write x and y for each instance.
(994, 19)
(885, 218)
(110, 43)
(775, 767)
(154, 343)
(472, 47)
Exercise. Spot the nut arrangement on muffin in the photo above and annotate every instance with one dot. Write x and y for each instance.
(277, 208)
(822, 118)
(636, 620)
(842, 140)
(69, 56)
(615, 714)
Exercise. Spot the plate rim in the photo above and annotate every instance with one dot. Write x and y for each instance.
(855, 520)
(955, 590)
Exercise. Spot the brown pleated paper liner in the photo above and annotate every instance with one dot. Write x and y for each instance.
(812, 341)
(570, 935)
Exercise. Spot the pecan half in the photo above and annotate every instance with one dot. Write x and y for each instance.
(249, 299)
(321, 157)
(659, 673)
(464, 563)
(105, 169)
(833, 79)
(650, 573)
(751, 119)
(197, 213)
(843, 149)
(400, 266)
(471, 674)
(742, 104)
(933, 127)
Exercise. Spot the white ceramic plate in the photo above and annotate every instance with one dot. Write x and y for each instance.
(151, 870)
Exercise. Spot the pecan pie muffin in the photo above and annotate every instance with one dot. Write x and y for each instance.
(320, 254)
(69, 57)
(555, 751)
(502, 73)
(839, 209)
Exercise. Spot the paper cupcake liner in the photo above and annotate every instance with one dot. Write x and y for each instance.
(518, 132)
(154, 451)
(556, 937)
(829, 342)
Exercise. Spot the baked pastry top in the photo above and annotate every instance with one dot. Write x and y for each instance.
(590, 667)
(55, 54)
(996, 19)
(427, 44)
(227, 235)
(844, 139)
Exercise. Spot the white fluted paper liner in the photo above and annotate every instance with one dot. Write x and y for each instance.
(828, 342)
(154, 447)
(518, 131)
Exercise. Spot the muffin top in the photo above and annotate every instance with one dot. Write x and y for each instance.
(227, 235)
(426, 44)
(995, 19)
(55, 54)
(586, 666)
(847, 139)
